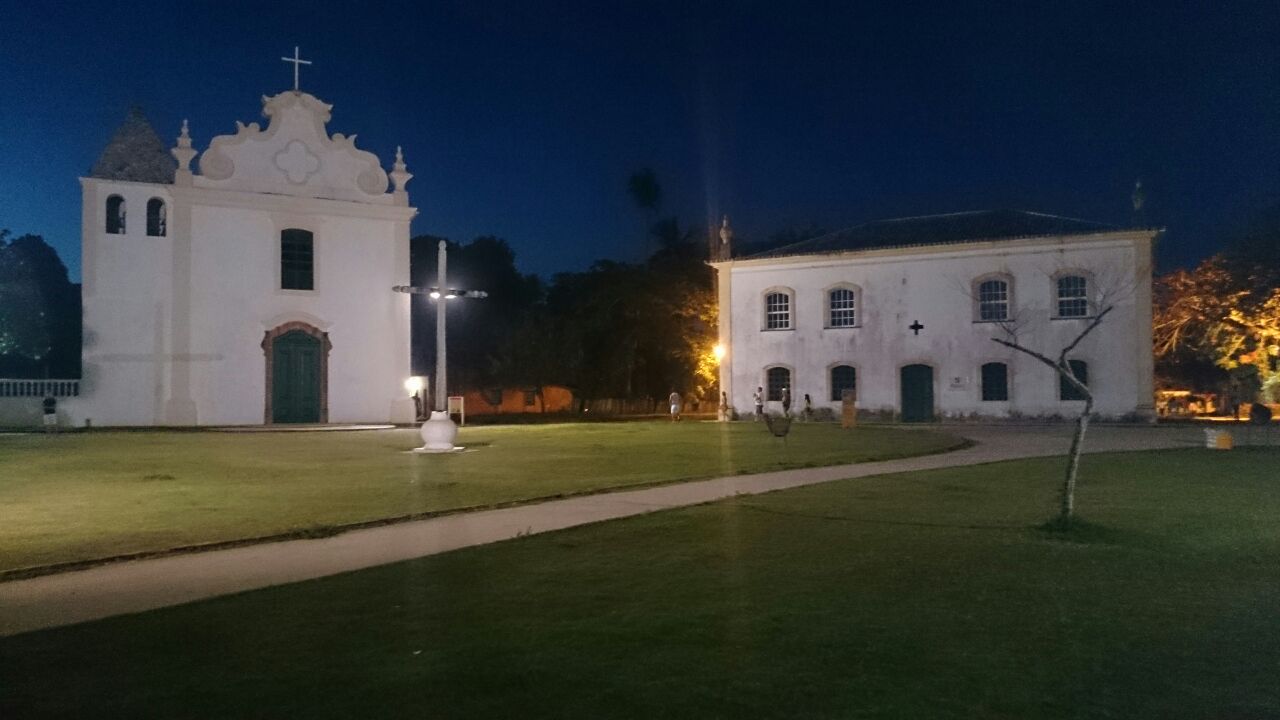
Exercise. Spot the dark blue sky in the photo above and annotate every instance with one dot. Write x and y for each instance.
(524, 120)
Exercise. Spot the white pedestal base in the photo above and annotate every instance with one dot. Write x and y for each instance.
(438, 434)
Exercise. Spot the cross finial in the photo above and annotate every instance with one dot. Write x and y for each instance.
(297, 61)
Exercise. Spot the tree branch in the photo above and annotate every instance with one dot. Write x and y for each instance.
(1096, 322)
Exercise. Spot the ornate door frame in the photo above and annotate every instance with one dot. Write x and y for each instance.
(268, 348)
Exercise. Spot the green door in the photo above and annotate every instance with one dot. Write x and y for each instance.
(917, 393)
(295, 379)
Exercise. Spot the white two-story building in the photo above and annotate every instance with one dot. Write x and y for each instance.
(904, 312)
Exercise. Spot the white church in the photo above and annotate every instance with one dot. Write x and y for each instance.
(253, 288)
(903, 313)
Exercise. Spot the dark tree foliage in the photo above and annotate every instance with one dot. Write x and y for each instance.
(39, 311)
(478, 329)
(617, 330)
(623, 330)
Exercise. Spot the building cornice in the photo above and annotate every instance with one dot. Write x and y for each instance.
(975, 248)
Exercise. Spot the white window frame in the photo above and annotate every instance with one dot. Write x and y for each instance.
(979, 302)
(770, 314)
(1058, 297)
(829, 310)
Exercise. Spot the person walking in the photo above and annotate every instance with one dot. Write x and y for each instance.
(674, 400)
(786, 402)
(808, 408)
(758, 397)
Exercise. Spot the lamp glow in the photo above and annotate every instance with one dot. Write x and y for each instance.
(434, 294)
(414, 385)
(718, 352)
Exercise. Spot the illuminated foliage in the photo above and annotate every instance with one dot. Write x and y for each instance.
(1225, 311)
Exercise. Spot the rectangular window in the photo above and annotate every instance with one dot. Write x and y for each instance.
(995, 382)
(843, 378)
(843, 312)
(777, 379)
(530, 398)
(993, 300)
(296, 260)
(777, 311)
(1068, 391)
(1073, 297)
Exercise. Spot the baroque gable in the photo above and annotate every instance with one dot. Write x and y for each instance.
(295, 156)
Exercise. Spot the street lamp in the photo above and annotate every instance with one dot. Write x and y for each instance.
(439, 431)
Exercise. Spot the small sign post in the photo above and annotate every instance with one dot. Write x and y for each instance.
(457, 406)
(848, 409)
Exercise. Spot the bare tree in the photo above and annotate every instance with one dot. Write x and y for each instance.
(1106, 289)
(1062, 366)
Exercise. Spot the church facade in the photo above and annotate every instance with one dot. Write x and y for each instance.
(255, 288)
(904, 314)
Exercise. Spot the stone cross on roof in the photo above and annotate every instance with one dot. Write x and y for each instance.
(297, 61)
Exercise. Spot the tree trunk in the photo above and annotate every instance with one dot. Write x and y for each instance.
(1065, 514)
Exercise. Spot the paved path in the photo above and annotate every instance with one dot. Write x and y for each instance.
(130, 587)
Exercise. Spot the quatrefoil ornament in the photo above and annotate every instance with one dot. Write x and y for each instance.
(297, 162)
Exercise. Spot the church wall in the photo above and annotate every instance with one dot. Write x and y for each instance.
(126, 301)
(357, 260)
(934, 286)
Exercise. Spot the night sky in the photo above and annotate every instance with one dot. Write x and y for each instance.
(524, 120)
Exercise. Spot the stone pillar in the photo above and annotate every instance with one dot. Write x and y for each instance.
(724, 302)
(179, 407)
(1144, 372)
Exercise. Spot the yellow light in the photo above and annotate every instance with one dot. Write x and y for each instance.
(718, 351)
(414, 385)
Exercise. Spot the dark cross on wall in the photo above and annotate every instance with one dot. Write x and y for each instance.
(915, 327)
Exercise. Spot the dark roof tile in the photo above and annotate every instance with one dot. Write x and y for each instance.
(945, 229)
(136, 154)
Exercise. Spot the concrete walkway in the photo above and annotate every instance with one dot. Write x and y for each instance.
(130, 587)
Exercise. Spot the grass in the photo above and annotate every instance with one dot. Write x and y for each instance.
(92, 495)
(931, 595)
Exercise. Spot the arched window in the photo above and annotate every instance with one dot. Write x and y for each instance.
(777, 310)
(115, 215)
(995, 382)
(1067, 391)
(777, 378)
(843, 377)
(842, 307)
(1073, 296)
(993, 300)
(157, 218)
(297, 265)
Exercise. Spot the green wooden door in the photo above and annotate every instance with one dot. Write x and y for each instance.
(917, 393)
(295, 379)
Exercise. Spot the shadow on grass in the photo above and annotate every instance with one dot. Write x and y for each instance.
(1082, 532)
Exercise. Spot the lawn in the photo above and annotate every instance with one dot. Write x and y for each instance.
(929, 595)
(91, 495)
